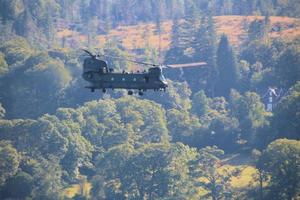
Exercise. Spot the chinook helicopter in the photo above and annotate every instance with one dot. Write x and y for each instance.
(100, 76)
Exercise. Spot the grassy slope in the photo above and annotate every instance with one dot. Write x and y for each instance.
(139, 36)
(75, 189)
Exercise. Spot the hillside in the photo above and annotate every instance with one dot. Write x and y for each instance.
(141, 35)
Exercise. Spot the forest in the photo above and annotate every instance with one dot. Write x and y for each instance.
(226, 130)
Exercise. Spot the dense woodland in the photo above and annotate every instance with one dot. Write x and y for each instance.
(190, 142)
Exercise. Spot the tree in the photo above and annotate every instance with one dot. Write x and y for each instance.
(9, 161)
(182, 126)
(251, 113)
(151, 171)
(47, 175)
(2, 111)
(3, 64)
(183, 35)
(10, 9)
(148, 170)
(287, 69)
(222, 131)
(16, 50)
(261, 176)
(40, 77)
(213, 180)
(176, 51)
(177, 96)
(200, 104)
(205, 50)
(227, 68)
(258, 29)
(281, 162)
(19, 186)
(286, 121)
(25, 26)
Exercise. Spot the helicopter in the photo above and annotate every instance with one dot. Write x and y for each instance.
(100, 76)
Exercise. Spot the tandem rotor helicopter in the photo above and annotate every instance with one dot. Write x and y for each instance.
(100, 76)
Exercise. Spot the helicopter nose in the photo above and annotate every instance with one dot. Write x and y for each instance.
(165, 84)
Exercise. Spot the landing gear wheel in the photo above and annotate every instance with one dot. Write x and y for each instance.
(104, 90)
(141, 93)
(130, 92)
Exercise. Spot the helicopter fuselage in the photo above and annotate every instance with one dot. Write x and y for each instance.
(96, 72)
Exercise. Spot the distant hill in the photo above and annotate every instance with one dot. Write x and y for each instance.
(141, 35)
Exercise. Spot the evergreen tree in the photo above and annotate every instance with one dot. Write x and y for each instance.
(183, 36)
(174, 53)
(287, 68)
(205, 50)
(227, 68)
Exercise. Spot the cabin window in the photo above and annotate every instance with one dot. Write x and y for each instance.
(134, 79)
(112, 79)
(147, 79)
(123, 79)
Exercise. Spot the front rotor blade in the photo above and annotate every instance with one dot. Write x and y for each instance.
(186, 65)
(86, 51)
(133, 61)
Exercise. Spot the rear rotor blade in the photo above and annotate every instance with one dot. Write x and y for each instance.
(186, 65)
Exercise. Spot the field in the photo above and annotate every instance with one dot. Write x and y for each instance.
(75, 189)
(143, 35)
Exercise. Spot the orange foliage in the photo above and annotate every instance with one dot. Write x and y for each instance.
(142, 35)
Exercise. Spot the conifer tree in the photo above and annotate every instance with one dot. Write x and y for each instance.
(205, 49)
(227, 68)
(183, 36)
(172, 55)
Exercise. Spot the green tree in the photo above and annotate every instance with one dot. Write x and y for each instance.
(9, 161)
(205, 50)
(227, 68)
(183, 35)
(148, 128)
(3, 64)
(16, 50)
(182, 126)
(10, 9)
(47, 175)
(177, 96)
(287, 69)
(250, 112)
(206, 174)
(286, 121)
(40, 77)
(200, 104)
(281, 162)
(19, 186)
(2, 111)
(151, 171)
(258, 29)
(176, 49)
